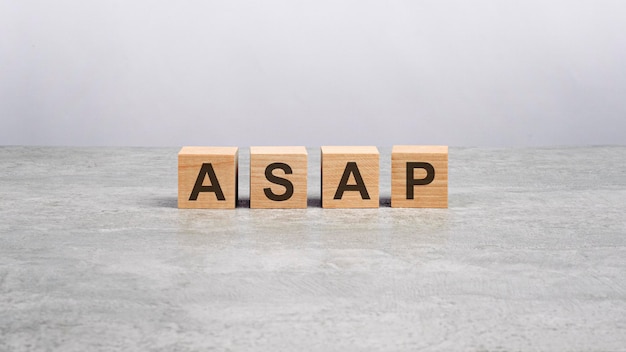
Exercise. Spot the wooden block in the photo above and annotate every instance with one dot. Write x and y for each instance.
(350, 177)
(278, 177)
(419, 176)
(207, 177)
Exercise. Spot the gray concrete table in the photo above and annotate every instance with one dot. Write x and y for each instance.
(94, 255)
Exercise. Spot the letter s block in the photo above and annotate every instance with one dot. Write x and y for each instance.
(278, 177)
(207, 177)
(419, 176)
(350, 177)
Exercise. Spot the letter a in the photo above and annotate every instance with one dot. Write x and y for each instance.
(207, 169)
(351, 168)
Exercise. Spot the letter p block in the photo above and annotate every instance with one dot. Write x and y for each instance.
(419, 176)
(278, 177)
(207, 177)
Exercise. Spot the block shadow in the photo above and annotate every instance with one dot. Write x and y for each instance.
(172, 202)
(314, 202)
(383, 202)
(243, 203)
(165, 202)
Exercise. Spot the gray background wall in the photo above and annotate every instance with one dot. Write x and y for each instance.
(490, 73)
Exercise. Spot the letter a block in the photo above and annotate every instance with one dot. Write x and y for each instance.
(350, 177)
(419, 176)
(278, 177)
(207, 177)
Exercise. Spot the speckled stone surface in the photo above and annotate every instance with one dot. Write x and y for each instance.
(94, 255)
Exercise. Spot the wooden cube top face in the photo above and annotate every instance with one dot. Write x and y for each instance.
(334, 163)
(227, 151)
(296, 159)
(349, 150)
(280, 150)
(432, 195)
(223, 162)
(419, 149)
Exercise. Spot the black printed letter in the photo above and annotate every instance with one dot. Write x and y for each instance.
(278, 180)
(344, 186)
(207, 169)
(410, 181)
